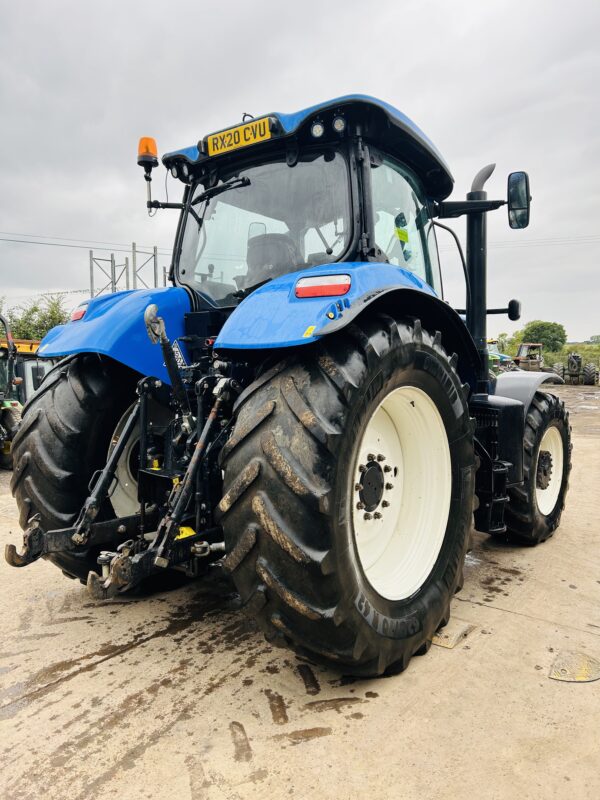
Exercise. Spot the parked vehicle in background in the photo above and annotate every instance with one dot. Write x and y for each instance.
(499, 362)
(29, 369)
(10, 406)
(530, 357)
(576, 372)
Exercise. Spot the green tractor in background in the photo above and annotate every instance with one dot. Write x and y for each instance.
(10, 406)
(498, 362)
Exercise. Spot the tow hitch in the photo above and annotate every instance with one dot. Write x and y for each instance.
(174, 543)
(164, 532)
(38, 543)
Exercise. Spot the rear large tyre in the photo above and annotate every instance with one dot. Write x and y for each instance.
(590, 375)
(63, 439)
(559, 369)
(534, 509)
(348, 483)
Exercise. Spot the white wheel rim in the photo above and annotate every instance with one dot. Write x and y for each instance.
(400, 543)
(123, 494)
(547, 497)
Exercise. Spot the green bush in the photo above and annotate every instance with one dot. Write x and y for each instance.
(34, 319)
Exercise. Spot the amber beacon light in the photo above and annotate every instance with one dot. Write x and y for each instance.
(147, 153)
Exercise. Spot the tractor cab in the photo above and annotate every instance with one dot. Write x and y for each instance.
(530, 356)
(347, 181)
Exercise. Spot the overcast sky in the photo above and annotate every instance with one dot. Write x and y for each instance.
(510, 82)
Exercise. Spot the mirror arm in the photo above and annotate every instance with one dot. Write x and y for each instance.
(513, 310)
(457, 208)
(157, 204)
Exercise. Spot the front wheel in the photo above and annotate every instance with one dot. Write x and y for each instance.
(534, 509)
(348, 496)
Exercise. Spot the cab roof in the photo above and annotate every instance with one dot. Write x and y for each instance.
(384, 126)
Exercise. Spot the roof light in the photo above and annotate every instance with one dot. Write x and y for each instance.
(174, 172)
(317, 129)
(339, 124)
(323, 286)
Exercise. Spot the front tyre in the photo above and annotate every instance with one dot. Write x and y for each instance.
(348, 495)
(534, 509)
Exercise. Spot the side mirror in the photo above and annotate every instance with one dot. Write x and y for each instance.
(518, 200)
(514, 310)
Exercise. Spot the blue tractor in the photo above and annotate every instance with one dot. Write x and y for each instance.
(301, 406)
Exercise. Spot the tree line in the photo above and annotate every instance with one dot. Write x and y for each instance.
(35, 318)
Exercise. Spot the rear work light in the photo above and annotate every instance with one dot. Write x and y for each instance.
(78, 313)
(323, 286)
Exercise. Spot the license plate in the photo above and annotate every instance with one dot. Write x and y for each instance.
(253, 132)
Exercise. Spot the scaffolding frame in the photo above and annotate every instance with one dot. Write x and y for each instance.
(115, 272)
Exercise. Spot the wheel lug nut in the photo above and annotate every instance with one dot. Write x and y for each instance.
(367, 516)
(377, 515)
(387, 468)
(360, 505)
(371, 457)
(389, 486)
(385, 504)
(362, 468)
(358, 487)
(380, 457)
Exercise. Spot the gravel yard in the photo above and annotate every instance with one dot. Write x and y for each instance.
(175, 694)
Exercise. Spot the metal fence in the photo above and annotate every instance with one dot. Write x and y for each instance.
(142, 270)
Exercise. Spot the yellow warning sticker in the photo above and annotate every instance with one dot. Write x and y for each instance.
(308, 332)
(184, 532)
(402, 234)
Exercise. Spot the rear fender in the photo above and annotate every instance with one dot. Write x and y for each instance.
(522, 386)
(273, 317)
(113, 325)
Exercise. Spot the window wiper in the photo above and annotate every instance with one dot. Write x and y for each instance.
(235, 183)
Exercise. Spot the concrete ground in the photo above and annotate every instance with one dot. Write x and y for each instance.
(176, 695)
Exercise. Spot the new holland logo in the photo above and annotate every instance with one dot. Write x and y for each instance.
(179, 357)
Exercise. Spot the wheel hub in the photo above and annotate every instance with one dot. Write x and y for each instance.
(371, 485)
(544, 470)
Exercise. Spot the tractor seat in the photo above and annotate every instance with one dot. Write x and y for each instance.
(270, 255)
(316, 259)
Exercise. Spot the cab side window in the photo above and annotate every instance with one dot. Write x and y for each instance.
(402, 223)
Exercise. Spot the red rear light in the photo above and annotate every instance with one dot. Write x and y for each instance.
(78, 313)
(323, 286)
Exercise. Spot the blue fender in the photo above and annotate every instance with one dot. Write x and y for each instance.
(272, 316)
(113, 325)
